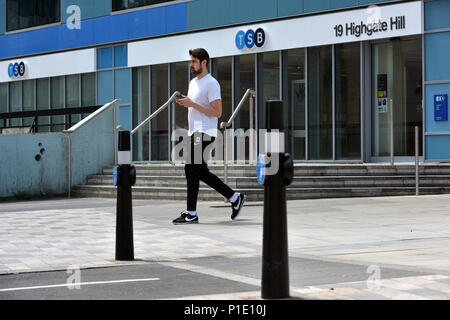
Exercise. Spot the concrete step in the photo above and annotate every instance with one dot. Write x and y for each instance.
(208, 194)
(303, 182)
(299, 170)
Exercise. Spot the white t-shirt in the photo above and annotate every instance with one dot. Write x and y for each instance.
(203, 91)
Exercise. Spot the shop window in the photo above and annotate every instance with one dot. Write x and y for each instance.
(118, 5)
(28, 100)
(21, 14)
(320, 103)
(294, 102)
(159, 125)
(43, 103)
(3, 102)
(348, 101)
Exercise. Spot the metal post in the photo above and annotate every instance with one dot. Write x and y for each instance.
(391, 115)
(225, 156)
(252, 156)
(417, 158)
(275, 264)
(69, 165)
(124, 178)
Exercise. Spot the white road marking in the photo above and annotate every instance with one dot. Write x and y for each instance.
(72, 285)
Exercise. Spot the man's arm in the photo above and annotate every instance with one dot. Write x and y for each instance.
(215, 110)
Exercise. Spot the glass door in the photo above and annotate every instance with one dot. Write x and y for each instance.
(396, 75)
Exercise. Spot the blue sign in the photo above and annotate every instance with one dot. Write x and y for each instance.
(441, 107)
(11, 70)
(250, 38)
(16, 70)
(115, 176)
(261, 169)
(240, 44)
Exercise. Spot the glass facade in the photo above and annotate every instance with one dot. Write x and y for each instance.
(320, 103)
(159, 125)
(294, 90)
(321, 88)
(72, 91)
(348, 101)
(129, 4)
(397, 75)
(22, 14)
(141, 107)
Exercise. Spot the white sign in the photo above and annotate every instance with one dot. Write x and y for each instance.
(49, 65)
(374, 22)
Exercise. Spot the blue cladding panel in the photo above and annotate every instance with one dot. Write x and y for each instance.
(176, 18)
(104, 58)
(89, 9)
(123, 85)
(289, 7)
(101, 30)
(197, 14)
(105, 87)
(437, 14)
(437, 47)
(316, 5)
(437, 148)
(121, 56)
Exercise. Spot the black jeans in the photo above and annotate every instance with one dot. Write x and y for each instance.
(197, 170)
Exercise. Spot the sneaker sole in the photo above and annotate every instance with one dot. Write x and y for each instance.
(180, 223)
(240, 209)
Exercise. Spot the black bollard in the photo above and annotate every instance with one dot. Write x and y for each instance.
(124, 178)
(275, 264)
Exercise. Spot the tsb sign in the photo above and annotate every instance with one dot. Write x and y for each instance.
(250, 38)
(16, 70)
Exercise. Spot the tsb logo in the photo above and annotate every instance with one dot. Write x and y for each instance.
(17, 69)
(250, 38)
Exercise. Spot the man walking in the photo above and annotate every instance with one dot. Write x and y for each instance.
(205, 107)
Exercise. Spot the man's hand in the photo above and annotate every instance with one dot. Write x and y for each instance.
(185, 102)
(215, 110)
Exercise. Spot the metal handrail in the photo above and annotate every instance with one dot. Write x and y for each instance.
(154, 114)
(238, 108)
(91, 116)
(80, 124)
(225, 125)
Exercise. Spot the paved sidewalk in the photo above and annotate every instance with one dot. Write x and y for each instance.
(356, 248)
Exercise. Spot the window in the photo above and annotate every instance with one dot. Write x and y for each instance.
(348, 101)
(118, 5)
(320, 115)
(21, 14)
(294, 102)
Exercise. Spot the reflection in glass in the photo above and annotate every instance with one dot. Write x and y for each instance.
(399, 62)
(140, 112)
(159, 125)
(294, 100)
(28, 100)
(320, 128)
(15, 103)
(57, 102)
(73, 96)
(348, 101)
(43, 103)
(269, 82)
(222, 72)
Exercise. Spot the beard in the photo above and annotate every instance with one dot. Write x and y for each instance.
(197, 72)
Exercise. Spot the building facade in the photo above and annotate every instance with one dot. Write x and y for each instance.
(335, 64)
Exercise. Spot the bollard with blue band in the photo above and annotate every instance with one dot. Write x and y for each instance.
(275, 264)
(124, 177)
